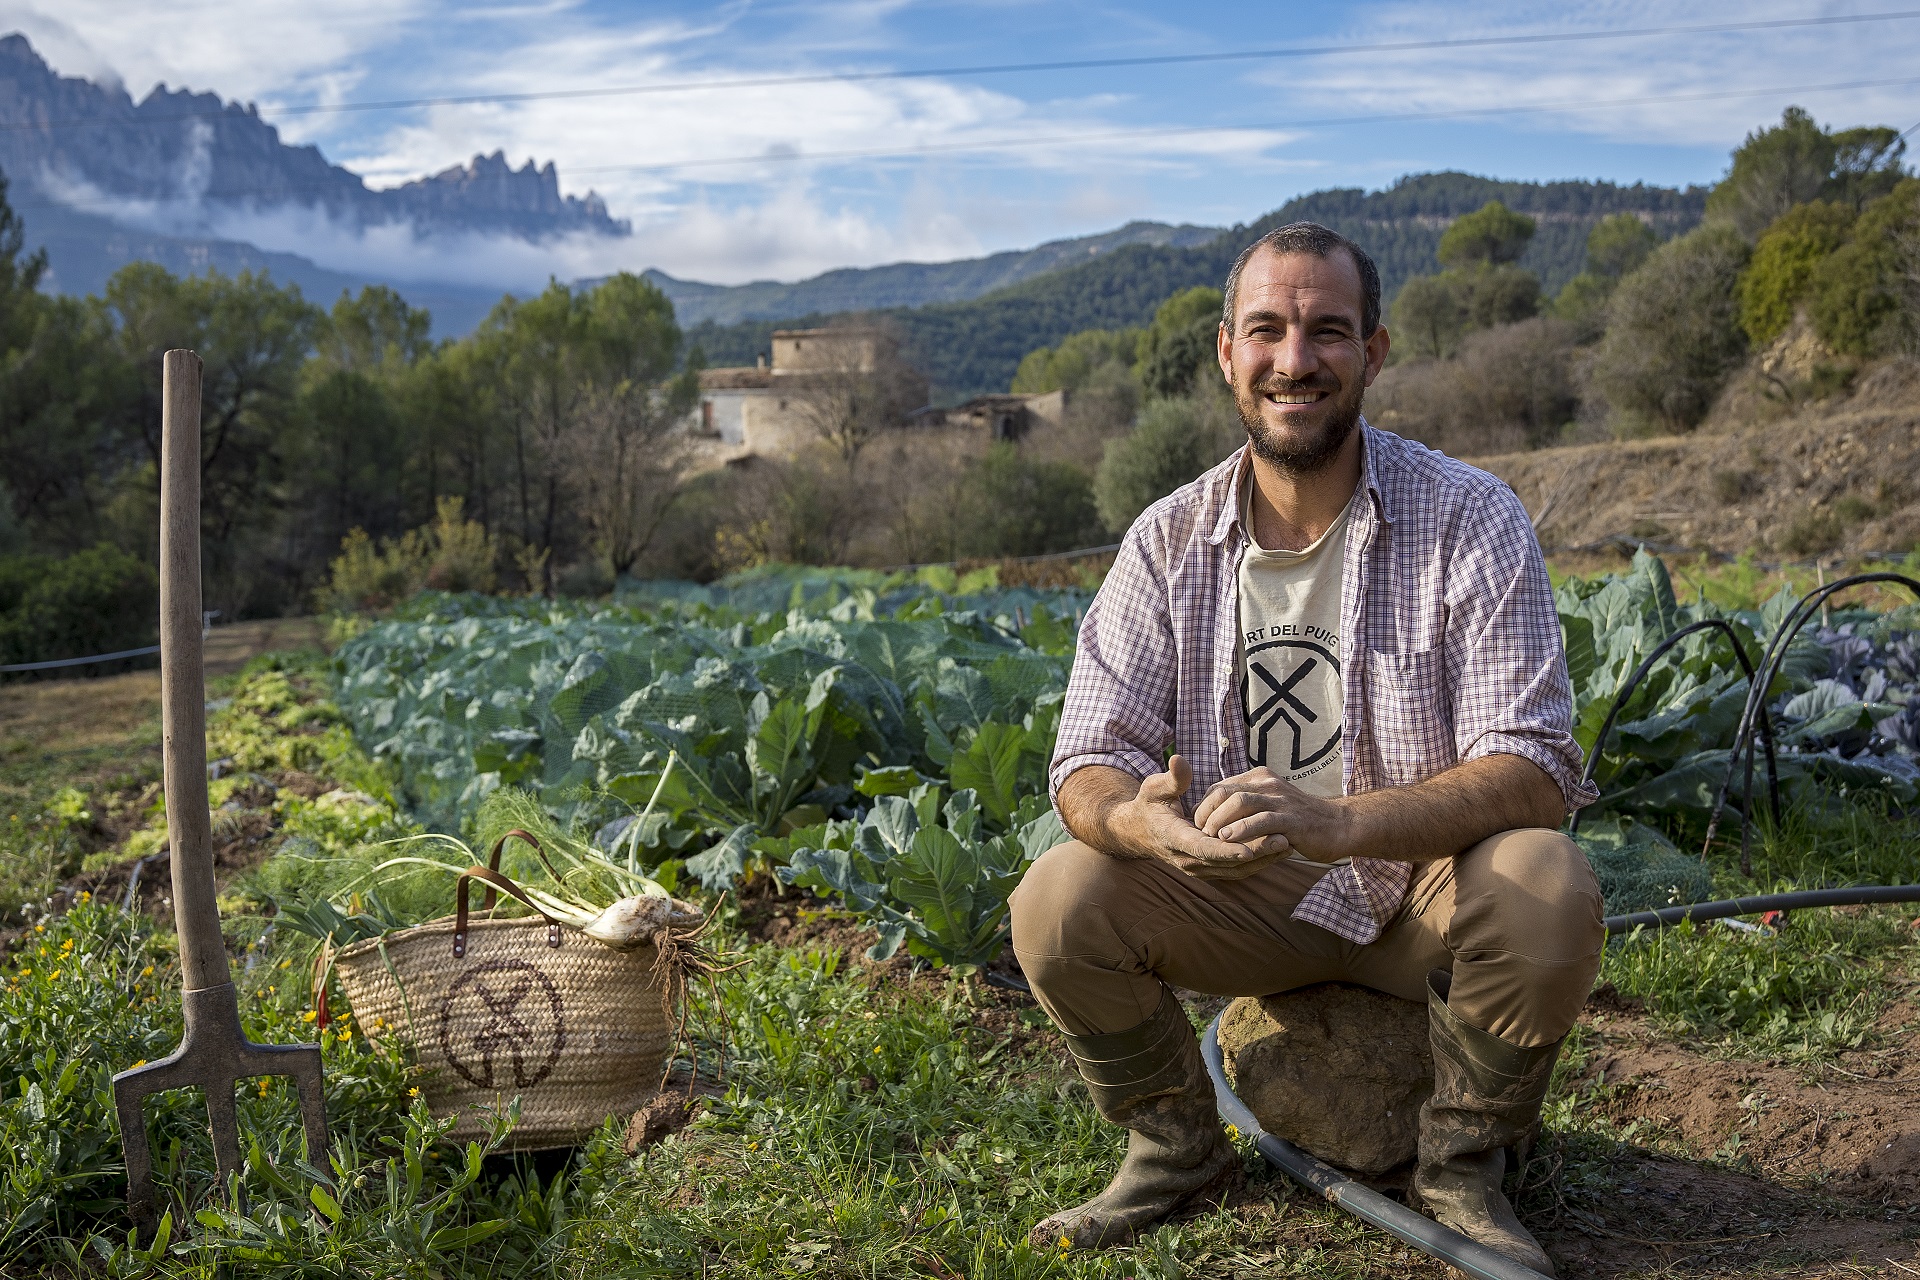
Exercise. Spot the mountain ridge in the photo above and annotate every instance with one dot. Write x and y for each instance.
(179, 152)
(972, 347)
(907, 283)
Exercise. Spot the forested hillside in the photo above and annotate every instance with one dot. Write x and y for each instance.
(901, 284)
(972, 347)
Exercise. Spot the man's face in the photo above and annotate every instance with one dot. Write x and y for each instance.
(1296, 359)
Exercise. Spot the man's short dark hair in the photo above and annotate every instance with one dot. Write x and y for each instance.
(1320, 242)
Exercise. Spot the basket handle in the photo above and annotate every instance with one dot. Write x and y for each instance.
(493, 880)
(493, 863)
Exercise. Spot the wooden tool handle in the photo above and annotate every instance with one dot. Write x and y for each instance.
(183, 685)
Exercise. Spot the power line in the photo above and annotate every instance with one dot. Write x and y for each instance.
(1001, 144)
(1322, 122)
(1084, 64)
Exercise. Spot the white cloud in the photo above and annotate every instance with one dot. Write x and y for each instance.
(262, 51)
(1681, 69)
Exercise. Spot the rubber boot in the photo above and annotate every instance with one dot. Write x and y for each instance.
(1151, 1079)
(1486, 1098)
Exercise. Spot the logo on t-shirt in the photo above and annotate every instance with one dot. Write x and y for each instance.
(1291, 697)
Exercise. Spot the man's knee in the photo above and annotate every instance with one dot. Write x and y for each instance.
(1060, 897)
(1529, 891)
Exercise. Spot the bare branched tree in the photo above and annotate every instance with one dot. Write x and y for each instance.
(860, 386)
(628, 460)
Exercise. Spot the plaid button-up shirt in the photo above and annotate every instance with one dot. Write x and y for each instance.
(1450, 649)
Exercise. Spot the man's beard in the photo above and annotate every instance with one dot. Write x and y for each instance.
(1308, 457)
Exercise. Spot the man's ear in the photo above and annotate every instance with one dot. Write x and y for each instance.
(1224, 343)
(1378, 345)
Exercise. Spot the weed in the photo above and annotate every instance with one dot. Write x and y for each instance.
(1812, 531)
(1851, 508)
(1731, 486)
(1809, 991)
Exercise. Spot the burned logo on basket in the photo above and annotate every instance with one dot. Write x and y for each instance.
(1290, 694)
(499, 1011)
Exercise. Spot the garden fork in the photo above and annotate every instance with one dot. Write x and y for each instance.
(214, 1053)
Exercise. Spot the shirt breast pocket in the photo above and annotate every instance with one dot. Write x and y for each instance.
(1410, 714)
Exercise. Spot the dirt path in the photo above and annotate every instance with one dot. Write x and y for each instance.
(59, 717)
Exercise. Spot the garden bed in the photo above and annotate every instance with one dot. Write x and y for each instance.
(1734, 1102)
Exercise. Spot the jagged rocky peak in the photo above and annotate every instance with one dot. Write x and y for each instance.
(530, 193)
(187, 150)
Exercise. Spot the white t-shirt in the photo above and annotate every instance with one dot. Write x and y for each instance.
(1288, 659)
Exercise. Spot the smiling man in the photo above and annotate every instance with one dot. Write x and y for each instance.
(1348, 644)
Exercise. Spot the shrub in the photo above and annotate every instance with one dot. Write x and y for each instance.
(1017, 506)
(1434, 312)
(1077, 361)
(1175, 441)
(1812, 532)
(1491, 235)
(1857, 295)
(1673, 333)
(1784, 263)
(1582, 302)
(1510, 387)
(1618, 244)
(1181, 342)
(451, 554)
(97, 601)
(1731, 486)
(1428, 316)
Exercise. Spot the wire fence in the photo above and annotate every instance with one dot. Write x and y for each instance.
(54, 664)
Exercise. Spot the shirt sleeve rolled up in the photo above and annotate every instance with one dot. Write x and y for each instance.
(1506, 661)
(1119, 707)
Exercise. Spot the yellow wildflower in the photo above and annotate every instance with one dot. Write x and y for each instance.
(308, 1016)
(147, 972)
(414, 1092)
(55, 974)
(141, 1063)
(85, 896)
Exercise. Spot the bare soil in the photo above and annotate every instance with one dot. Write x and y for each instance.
(1834, 476)
(1725, 1166)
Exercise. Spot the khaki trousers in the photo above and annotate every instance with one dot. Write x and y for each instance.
(1516, 918)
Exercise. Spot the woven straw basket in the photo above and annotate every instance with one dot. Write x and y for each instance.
(498, 1009)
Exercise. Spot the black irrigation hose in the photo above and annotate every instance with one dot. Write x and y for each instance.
(1007, 981)
(1770, 663)
(1362, 1202)
(1395, 1218)
(1640, 673)
(1761, 903)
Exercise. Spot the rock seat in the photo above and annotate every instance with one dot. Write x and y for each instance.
(1338, 1070)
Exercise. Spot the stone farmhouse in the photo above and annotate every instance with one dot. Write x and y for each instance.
(758, 410)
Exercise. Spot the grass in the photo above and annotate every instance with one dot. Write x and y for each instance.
(72, 754)
(869, 1126)
(1811, 991)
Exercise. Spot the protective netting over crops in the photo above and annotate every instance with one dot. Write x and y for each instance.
(1845, 708)
(782, 690)
(465, 694)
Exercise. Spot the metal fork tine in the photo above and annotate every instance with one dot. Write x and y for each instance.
(225, 1127)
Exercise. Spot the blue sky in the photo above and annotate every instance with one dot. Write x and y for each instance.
(1035, 154)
